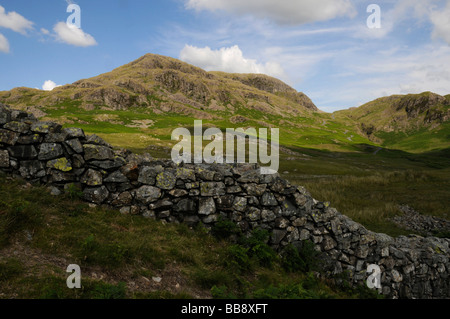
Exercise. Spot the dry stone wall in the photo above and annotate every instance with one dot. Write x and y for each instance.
(46, 153)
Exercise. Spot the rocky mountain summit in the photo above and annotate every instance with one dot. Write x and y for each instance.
(67, 159)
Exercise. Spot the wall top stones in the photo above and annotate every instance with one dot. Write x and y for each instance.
(46, 153)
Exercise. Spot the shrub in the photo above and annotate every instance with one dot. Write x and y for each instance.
(304, 259)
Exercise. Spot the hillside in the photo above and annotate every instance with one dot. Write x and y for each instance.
(140, 103)
(409, 122)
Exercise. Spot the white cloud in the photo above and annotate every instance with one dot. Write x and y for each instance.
(14, 21)
(72, 35)
(441, 21)
(49, 85)
(44, 31)
(285, 12)
(4, 44)
(228, 60)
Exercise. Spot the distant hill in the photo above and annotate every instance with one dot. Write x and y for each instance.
(164, 84)
(410, 122)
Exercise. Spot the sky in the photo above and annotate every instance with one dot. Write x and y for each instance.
(341, 53)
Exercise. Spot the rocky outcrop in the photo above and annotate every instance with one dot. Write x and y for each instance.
(63, 158)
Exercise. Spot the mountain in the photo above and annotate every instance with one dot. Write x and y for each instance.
(409, 122)
(164, 84)
(140, 103)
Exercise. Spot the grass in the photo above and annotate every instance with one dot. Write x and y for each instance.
(43, 234)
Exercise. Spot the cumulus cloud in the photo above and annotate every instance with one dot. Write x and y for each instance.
(14, 21)
(285, 12)
(441, 21)
(72, 35)
(229, 60)
(49, 85)
(4, 44)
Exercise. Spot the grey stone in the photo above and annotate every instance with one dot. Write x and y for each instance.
(5, 114)
(148, 194)
(61, 164)
(49, 151)
(74, 132)
(8, 137)
(96, 140)
(240, 204)
(178, 192)
(92, 178)
(185, 205)
(185, 174)
(277, 236)
(165, 180)
(18, 127)
(147, 174)
(29, 139)
(23, 151)
(4, 158)
(267, 216)
(46, 127)
(96, 195)
(281, 222)
(253, 214)
(206, 206)
(212, 218)
(55, 137)
(255, 189)
(268, 199)
(75, 145)
(97, 152)
(116, 177)
(212, 188)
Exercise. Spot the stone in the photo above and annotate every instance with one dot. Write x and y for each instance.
(116, 177)
(97, 152)
(5, 114)
(117, 162)
(49, 151)
(8, 137)
(277, 236)
(185, 174)
(46, 127)
(281, 222)
(328, 243)
(240, 204)
(161, 204)
(212, 188)
(234, 189)
(147, 194)
(75, 145)
(29, 139)
(268, 199)
(55, 137)
(206, 206)
(96, 195)
(185, 205)
(74, 132)
(300, 199)
(30, 168)
(123, 199)
(253, 214)
(165, 180)
(60, 177)
(225, 202)
(267, 216)
(61, 164)
(18, 127)
(23, 151)
(92, 178)
(362, 251)
(96, 140)
(211, 218)
(4, 159)
(147, 174)
(178, 192)
(255, 189)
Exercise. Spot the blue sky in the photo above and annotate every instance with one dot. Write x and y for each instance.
(323, 48)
